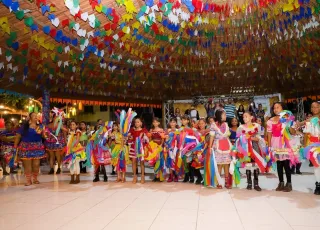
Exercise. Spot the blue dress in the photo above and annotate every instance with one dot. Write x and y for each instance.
(31, 146)
(233, 136)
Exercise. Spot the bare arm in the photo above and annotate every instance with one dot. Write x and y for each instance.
(7, 139)
(64, 129)
(269, 135)
(211, 141)
(293, 131)
(17, 140)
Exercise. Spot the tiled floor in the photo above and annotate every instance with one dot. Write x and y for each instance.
(54, 204)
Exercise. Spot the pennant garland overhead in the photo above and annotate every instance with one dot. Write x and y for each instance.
(160, 49)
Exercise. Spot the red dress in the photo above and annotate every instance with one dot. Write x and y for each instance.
(132, 141)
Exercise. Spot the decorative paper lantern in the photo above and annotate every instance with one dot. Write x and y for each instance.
(80, 106)
(2, 124)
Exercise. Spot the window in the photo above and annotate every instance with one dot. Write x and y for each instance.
(103, 108)
(88, 109)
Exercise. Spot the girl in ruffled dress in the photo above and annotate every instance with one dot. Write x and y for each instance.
(312, 142)
(282, 146)
(200, 150)
(136, 140)
(119, 153)
(187, 142)
(100, 151)
(251, 149)
(221, 146)
(154, 150)
(171, 144)
(75, 153)
(55, 142)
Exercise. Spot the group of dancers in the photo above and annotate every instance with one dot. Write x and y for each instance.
(177, 152)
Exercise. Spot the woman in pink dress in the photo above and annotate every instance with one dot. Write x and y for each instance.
(282, 148)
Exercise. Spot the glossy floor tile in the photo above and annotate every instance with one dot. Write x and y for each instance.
(55, 204)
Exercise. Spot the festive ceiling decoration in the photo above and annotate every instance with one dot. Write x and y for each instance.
(160, 49)
(89, 102)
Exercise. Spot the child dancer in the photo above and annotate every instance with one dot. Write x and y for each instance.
(100, 152)
(75, 153)
(172, 149)
(83, 142)
(252, 149)
(222, 146)
(155, 150)
(137, 136)
(234, 124)
(56, 139)
(312, 143)
(194, 124)
(279, 131)
(119, 153)
(185, 131)
(198, 157)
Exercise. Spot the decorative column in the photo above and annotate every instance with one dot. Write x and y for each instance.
(46, 107)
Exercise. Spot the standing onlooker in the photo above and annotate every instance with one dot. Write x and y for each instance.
(99, 123)
(216, 107)
(260, 112)
(178, 116)
(7, 137)
(210, 109)
(240, 113)
(147, 117)
(194, 114)
(253, 108)
(230, 109)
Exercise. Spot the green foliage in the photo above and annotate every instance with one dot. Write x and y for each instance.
(14, 101)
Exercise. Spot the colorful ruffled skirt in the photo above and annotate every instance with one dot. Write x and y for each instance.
(53, 144)
(31, 150)
(8, 153)
(77, 153)
(101, 156)
(198, 160)
(281, 153)
(170, 158)
(312, 153)
(155, 157)
(222, 151)
(120, 157)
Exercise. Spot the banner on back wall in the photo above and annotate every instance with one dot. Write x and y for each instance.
(185, 108)
(267, 101)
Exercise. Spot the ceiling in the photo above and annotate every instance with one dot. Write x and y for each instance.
(155, 50)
